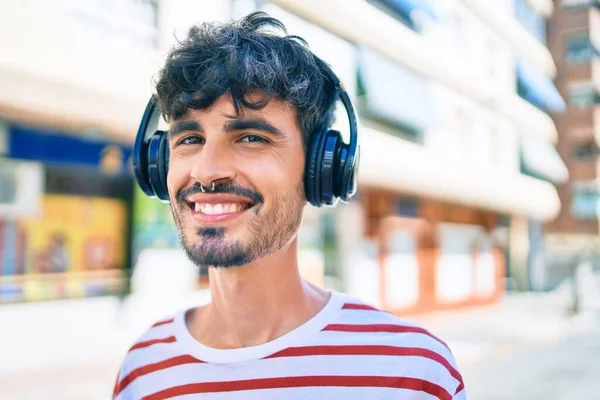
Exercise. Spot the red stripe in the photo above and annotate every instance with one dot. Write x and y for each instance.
(368, 350)
(353, 306)
(391, 328)
(147, 369)
(147, 343)
(305, 381)
(166, 321)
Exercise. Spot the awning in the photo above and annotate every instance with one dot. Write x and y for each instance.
(394, 93)
(391, 163)
(540, 158)
(539, 90)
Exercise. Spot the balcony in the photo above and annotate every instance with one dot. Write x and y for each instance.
(351, 19)
(524, 43)
(383, 157)
(59, 68)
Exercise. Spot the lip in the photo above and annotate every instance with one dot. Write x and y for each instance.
(211, 218)
(217, 198)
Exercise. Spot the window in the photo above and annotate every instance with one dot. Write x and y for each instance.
(573, 5)
(586, 151)
(585, 203)
(583, 95)
(578, 48)
(534, 23)
(8, 183)
(399, 13)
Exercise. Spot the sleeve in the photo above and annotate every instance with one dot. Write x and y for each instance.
(118, 389)
(116, 385)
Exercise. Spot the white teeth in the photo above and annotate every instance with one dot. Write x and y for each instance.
(215, 209)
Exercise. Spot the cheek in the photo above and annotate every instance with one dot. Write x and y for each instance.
(176, 177)
(276, 172)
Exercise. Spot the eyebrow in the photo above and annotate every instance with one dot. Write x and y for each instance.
(258, 124)
(179, 127)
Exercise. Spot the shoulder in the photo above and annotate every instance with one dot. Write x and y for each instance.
(415, 347)
(359, 316)
(156, 345)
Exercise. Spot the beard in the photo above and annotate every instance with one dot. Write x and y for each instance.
(267, 232)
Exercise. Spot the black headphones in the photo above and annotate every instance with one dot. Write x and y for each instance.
(331, 171)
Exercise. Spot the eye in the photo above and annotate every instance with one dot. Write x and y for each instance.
(189, 140)
(254, 139)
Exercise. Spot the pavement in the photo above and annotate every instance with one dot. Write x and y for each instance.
(566, 370)
(527, 346)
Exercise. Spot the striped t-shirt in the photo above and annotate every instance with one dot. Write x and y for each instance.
(349, 350)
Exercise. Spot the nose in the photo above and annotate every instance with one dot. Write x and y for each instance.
(213, 163)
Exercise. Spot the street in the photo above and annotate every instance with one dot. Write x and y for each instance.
(567, 370)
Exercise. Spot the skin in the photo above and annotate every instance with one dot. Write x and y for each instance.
(264, 297)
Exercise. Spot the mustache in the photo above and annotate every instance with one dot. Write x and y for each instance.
(225, 188)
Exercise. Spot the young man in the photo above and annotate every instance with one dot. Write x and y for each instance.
(243, 102)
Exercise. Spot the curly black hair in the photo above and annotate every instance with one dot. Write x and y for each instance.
(251, 55)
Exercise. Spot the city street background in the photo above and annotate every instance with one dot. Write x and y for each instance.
(477, 214)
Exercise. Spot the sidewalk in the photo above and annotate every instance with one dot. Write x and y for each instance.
(520, 321)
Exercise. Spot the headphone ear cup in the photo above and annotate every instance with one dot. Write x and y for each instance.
(312, 173)
(348, 176)
(330, 171)
(163, 167)
(157, 169)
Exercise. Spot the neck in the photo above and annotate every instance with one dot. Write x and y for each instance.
(257, 302)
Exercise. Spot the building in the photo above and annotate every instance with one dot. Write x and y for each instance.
(458, 160)
(457, 144)
(574, 42)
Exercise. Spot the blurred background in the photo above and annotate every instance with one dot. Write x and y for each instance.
(478, 212)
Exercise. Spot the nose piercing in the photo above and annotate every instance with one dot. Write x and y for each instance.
(212, 188)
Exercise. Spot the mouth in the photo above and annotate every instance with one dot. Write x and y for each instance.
(210, 211)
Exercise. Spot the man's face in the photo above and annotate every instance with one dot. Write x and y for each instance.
(256, 161)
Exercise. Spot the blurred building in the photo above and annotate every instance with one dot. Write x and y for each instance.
(575, 44)
(458, 163)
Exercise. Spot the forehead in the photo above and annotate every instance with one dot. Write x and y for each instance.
(276, 110)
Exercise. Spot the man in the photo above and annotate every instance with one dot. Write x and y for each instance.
(243, 102)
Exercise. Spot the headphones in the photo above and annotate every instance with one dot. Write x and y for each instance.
(331, 171)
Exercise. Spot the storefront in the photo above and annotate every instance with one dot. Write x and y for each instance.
(432, 255)
(64, 217)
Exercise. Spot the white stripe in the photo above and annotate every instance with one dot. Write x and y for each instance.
(409, 339)
(389, 366)
(157, 332)
(161, 352)
(150, 355)
(366, 317)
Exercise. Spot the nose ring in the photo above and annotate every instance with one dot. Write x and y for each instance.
(212, 188)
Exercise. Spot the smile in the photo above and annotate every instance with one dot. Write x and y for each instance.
(220, 208)
(217, 207)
